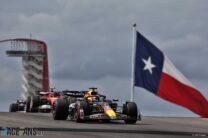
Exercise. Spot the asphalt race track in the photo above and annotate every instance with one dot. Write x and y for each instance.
(151, 127)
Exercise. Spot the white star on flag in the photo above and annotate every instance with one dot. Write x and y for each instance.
(148, 65)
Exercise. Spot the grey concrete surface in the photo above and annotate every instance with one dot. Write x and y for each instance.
(149, 127)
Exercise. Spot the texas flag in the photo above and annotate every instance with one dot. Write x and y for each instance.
(156, 73)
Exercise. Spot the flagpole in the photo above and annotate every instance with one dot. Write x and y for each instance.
(133, 62)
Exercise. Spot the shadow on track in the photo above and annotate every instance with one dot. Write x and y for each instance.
(114, 122)
(154, 132)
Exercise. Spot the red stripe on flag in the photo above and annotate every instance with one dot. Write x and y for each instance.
(174, 91)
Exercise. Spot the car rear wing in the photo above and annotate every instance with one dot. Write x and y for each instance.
(77, 94)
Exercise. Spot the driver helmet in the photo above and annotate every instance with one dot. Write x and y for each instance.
(95, 99)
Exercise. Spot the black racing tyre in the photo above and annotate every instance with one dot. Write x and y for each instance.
(13, 107)
(86, 109)
(28, 104)
(34, 104)
(60, 109)
(140, 117)
(85, 106)
(132, 111)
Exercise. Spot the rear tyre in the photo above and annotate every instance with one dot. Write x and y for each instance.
(82, 105)
(61, 109)
(131, 111)
(13, 107)
(28, 104)
(34, 103)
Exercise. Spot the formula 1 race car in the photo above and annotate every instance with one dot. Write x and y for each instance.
(41, 102)
(89, 105)
(18, 106)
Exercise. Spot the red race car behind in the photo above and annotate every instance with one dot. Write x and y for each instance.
(42, 101)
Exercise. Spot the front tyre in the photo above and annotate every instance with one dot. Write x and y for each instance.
(131, 111)
(13, 107)
(79, 116)
(60, 109)
(34, 103)
(28, 104)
